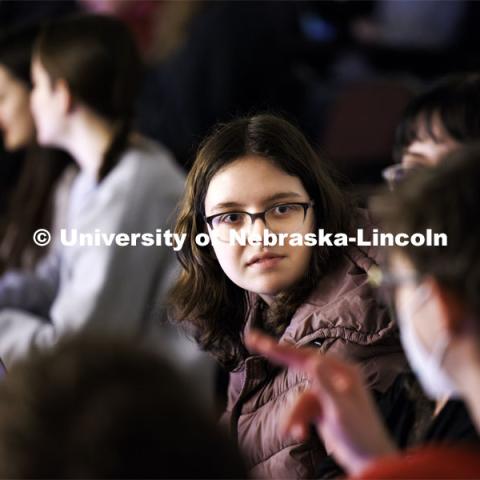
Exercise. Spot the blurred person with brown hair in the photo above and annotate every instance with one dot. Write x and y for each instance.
(441, 119)
(98, 407)
(46, 174)
(85, 72)
(435, 290)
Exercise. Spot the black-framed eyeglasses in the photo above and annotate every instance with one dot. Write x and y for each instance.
(279, 218)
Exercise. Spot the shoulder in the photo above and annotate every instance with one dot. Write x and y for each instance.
(341, 297)
(146, 169)
(154, 161)
(343, 305)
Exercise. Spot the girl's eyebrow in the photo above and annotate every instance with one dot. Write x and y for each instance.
(271, 198)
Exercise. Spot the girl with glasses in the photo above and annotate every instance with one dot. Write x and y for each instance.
(257, 175)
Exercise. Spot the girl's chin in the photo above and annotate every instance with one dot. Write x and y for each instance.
(269, 290)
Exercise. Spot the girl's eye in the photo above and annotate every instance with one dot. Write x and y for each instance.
(230, 218)
(283, 210)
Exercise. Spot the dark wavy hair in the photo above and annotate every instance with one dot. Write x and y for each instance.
(98, 58)
(456, 101)
(204, 298)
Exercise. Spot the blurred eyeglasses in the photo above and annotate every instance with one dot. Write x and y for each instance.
(396, 174)
(386, 282)
(281, 218)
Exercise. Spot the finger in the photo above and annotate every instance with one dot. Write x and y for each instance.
(282, 354)
(330, 373)
(333, 375)
(307, 409)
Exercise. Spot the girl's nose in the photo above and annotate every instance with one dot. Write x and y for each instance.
(258, 229)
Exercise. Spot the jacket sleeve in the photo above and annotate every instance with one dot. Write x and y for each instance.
(32, 291)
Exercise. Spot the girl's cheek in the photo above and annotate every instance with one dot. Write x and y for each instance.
(229, 258)
(219, 253)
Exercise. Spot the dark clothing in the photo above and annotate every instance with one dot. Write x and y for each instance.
(408, 415)
(14, 13)
(236, 59)
(452, 425)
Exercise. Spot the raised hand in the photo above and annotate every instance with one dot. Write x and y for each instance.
(336, 401)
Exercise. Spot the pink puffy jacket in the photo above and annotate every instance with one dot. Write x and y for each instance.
(341, 317)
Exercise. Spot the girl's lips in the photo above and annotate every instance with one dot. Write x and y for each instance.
(266, 261)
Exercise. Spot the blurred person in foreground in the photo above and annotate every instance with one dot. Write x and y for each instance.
(98, 407)
(436, 295)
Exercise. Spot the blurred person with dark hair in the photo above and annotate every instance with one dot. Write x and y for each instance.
(46, 174)
(435, 290)
(439, 120)
(85, 71)
(95, 407)
(443, 119)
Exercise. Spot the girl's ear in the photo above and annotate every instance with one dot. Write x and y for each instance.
(64, 96)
